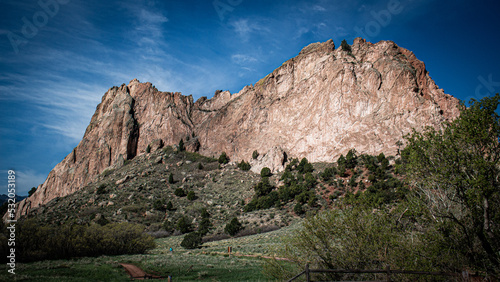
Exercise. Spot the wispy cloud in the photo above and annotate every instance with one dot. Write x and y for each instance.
(318, 8)
(242, 59)
(246, 27)
(25, 180)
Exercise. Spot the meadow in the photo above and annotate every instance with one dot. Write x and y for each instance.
(211, 262)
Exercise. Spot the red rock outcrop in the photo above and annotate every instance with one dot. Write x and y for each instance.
(318, 105)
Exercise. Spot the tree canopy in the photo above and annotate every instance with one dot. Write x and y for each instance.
(456, 172)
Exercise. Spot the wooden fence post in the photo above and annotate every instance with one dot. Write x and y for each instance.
(388, 270)
(308, 278)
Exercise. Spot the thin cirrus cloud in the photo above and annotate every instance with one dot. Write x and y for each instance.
(24, 178)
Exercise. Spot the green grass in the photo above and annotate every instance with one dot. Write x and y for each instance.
(85, 269)
(209, 263)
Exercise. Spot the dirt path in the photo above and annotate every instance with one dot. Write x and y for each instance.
(137, 273)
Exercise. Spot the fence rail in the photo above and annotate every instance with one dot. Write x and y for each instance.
(307, 272)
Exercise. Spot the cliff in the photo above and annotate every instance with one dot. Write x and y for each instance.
(317, 105)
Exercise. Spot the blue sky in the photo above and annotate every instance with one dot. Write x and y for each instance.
(58, 57)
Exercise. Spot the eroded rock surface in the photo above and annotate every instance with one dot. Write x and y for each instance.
(318, 105)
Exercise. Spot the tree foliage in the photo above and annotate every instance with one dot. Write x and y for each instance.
(192, 240)
(223, 158)
(31, 191)
(345, 46)
(41, 242)
(456, 171)
(265, 172)
(356, 238)
(233, 227)
(184, 225)
(245, 166)
(255, 155)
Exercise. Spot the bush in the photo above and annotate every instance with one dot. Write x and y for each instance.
(191, 196)
(351, 160)
(192, 241)
(345, 47)
(101, 189)
(359, 239)
(41, 242)
(204, 226)
(184, 225)
(223, 158)
(263, 187)
(179, 192)
(304, 166)
(169, 206)
(265, 172)
(310, 180)
(159, 205)
(200, 166)
(148, 149)
(255, 155)
(233, 227)
(33, 190)
(298, 209)
(244, 166)
(171, 178)
(328, 173)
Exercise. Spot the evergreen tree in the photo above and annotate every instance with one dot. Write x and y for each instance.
(233, 227)
(345, 47)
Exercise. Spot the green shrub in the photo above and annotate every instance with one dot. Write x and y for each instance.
(179, 192)
(359, 239)
(101, 189)
(310, 181)
(184, 225)
(233, 227)
(41, 242)
(380, 157)
(345, 46)
(298, 209)
(263, 187)
(169, 206)
(171, 178)
(192, 240)
(200, 166)
(304, 166)
(328, 173)
(191, 196)
(204, 226)
(33, 190)
(159, 205)
(148, 149)
(255, 155)
(223, 158)
(244, 166)
(265, 172)
(351, 160)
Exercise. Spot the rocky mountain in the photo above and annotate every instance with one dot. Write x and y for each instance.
(318, 105)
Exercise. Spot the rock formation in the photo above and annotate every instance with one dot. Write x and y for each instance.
(318, 105)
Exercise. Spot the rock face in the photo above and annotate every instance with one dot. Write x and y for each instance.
(318, 105)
